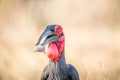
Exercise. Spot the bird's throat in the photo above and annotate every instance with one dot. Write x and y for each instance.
(55, 49)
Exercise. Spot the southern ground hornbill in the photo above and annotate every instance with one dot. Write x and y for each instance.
(57, 69)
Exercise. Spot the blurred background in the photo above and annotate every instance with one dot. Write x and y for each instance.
(92, 32)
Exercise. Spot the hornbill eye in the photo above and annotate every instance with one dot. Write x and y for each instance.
(58, 30)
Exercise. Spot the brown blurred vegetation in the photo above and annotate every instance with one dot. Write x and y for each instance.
(91, 27)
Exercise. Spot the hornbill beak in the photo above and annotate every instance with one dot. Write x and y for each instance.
(49, 37)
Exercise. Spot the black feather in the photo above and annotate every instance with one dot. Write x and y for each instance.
(59, 70)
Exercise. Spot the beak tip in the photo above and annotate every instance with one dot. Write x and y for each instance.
(39, 48)
(35, 50)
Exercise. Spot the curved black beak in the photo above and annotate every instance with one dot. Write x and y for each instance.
(49, 37)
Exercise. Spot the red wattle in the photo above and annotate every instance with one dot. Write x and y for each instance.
(55, 49)
(52, 51)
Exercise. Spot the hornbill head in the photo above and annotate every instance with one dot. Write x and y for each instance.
(54, 37)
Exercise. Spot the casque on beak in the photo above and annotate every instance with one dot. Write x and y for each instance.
(49, 37)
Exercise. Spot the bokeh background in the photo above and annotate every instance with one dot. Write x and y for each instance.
(92, 32)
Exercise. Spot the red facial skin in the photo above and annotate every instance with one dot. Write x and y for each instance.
(55, 48)
(58, 30)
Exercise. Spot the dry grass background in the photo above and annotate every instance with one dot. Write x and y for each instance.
(92, 30)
